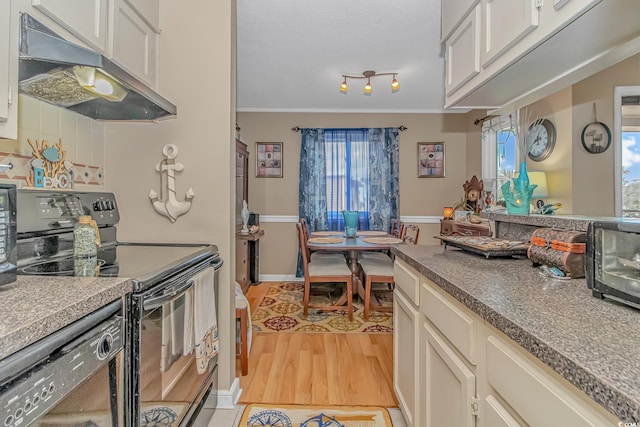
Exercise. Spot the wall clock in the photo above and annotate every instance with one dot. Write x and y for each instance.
(596, 137)
(541, 139)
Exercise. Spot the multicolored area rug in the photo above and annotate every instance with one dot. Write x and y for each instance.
(281, 311)
(260, 415)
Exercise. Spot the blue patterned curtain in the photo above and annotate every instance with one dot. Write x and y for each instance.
(384, 183)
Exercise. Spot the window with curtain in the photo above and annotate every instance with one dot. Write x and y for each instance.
(347, 175)
(349, 169)
(500, 151)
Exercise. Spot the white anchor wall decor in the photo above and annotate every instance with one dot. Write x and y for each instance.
(167, 204)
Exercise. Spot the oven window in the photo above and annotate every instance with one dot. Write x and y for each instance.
(98, 401)
(169, 379)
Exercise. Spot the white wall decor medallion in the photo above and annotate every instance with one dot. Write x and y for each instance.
(166, 203)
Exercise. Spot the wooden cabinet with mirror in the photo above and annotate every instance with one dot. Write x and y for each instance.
(247, 245)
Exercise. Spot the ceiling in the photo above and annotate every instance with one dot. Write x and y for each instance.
(291, 55)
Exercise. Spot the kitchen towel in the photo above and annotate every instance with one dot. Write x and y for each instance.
(205, 321)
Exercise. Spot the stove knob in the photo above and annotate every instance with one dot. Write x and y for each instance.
(96, 206)
(104, 346)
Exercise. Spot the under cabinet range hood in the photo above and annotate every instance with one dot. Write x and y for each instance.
(79, 79)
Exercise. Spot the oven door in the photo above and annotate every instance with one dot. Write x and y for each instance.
(71, 378)
(170, 378)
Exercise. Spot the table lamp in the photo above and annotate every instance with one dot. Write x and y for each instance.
(540, 179)
(448, 212)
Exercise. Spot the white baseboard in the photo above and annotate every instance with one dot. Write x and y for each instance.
(280, 278)
(228, 398)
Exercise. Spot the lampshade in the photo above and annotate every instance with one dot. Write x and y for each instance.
(448, 212)
(540, 179)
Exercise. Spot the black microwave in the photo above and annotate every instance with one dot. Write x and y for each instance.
(613, 260)
(8, 247)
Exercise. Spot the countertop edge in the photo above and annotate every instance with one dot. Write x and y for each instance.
(617, 402)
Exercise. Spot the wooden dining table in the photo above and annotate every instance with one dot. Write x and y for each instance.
(352, 246)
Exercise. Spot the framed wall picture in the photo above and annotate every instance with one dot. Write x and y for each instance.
(269, 159)
(430, 159)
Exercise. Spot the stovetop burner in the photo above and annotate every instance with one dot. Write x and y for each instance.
(66, 267)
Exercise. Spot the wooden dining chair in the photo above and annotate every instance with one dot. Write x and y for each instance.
(324, 270)
(317, 255)
(410, 233)
(322, 254)
(378, 270)
(397, 227)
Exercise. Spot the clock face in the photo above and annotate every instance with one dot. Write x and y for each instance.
(541, 139)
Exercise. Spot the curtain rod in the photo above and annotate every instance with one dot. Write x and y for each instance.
(482, 120)
(401, 128)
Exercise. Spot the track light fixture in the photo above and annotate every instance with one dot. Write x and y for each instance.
(368, 89)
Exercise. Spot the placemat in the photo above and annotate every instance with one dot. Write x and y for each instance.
(326, 240)
(327, 233)
(382, 240)
(372, 233)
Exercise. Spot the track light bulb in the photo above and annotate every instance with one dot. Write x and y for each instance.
(343, 86)
(395, 84)
(367, 88)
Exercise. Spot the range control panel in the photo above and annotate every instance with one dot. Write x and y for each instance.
(56, 210)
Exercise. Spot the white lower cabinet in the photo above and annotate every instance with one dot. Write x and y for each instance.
(531, 393)
(406, 326)
(453, 369)
(447, 385)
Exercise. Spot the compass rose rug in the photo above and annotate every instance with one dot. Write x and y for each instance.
(259, 415)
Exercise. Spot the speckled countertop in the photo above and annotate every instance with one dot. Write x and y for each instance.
(35, 306)
(592, 343)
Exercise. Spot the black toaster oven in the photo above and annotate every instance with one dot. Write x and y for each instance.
(613, 260)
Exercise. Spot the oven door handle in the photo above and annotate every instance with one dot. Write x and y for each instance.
(167, 295)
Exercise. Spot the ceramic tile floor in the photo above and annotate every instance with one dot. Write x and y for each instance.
(231, 417)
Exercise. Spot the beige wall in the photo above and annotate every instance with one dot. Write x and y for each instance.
(198, 75)
(593, 174)
(418, 196)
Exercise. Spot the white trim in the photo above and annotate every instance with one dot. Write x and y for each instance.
(458, 110)
(279, 218)
(294, 219)
(228, 398)
(280, 278)
(618, 93)
(421, 219)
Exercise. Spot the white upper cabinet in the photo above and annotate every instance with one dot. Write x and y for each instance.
(462, 53)
(506, 22)
(86, 19)
(8, 71)
(528, 48)
(149, 10)
(135, 43)
(453, 11)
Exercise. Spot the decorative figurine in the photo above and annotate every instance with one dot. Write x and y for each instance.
(245, 217)
(473, 194)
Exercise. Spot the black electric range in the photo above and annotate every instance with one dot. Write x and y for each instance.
(45, 240)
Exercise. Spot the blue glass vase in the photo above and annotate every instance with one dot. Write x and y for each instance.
(518, 197)
(350, 223)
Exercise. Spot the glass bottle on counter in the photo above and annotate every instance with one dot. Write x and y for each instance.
(86, 239)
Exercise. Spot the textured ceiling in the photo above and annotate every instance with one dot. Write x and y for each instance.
(291, 55)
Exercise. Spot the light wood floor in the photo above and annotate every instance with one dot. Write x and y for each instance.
(318, 368)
